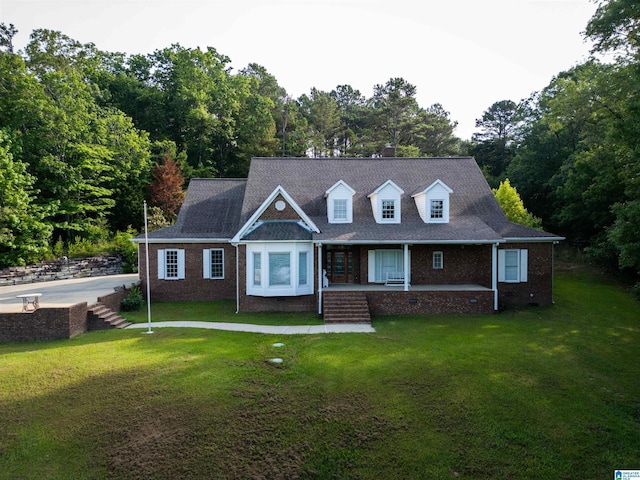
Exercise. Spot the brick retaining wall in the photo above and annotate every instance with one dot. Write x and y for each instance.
(62, 270)
(44, 324)
(54, 323)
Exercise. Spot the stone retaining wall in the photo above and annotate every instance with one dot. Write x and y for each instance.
(62, 270)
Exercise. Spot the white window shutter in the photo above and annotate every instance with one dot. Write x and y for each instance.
(206, 263)
(524, 260)
(372, 266)
(501, 269)
(180, 264)
(161, 264)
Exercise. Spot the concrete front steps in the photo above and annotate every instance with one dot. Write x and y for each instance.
(345, 307)
(100, 317)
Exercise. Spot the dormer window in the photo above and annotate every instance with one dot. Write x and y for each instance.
(385, 202)
(437, 210)
(388, 209)
(340, 203)
(433, 203)
(340, 210)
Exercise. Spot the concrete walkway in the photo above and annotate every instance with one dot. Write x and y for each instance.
(269, 329)
(62, 293)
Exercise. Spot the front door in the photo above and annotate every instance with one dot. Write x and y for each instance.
(340, 266)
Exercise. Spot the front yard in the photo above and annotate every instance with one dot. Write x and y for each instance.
(548, 392)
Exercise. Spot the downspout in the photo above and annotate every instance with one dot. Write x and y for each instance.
(407, 267)
(553, 271)
(320, 278)
(494, 274)
(237, 281)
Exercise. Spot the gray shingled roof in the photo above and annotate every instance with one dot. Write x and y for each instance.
(474, 211)
(279, 230)
(211, 209)
(218, 208)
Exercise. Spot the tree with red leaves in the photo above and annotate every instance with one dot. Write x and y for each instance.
(166, 187)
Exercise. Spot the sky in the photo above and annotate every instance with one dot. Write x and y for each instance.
(463, 54)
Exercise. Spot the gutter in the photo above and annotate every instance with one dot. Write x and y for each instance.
(182, 240)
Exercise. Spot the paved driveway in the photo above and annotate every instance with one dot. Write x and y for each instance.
(62, 293)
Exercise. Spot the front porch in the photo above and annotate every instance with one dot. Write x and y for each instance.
(406, 279)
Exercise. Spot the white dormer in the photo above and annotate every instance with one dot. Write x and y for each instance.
(385, 202)
(340, 203)
(433, 202)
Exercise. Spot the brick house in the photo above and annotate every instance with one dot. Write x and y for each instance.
(382, 235)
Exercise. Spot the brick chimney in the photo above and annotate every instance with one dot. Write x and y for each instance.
(389, 151)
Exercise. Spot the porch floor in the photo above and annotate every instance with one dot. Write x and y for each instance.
(352, 287)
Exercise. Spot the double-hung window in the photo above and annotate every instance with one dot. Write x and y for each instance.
(171, 264)
(213, 263)
(438, 261)
(512, 265)
(437, 209)
(340, 210)
(388, 209)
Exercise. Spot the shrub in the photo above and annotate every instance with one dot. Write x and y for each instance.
(133, 301)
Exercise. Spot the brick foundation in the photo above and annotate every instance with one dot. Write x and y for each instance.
(430, 302)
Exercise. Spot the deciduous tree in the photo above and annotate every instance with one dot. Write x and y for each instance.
(166, 188)
(513, 207)
(24, 232)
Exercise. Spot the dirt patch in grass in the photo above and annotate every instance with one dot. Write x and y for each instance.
(270, 433)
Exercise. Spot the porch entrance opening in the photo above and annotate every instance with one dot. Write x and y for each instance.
(340, 266)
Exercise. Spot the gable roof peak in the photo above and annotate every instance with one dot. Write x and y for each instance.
(437, 183)
(339, 183)
(384, 185)
(279, 190)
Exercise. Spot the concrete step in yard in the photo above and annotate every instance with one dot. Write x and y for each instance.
(345, 307)
(100, 317)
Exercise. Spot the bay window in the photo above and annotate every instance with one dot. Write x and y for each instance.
(279, 269)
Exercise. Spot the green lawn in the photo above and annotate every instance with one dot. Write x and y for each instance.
(543, 393)
(223, 311)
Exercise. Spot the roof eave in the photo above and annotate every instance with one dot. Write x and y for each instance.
(182, 240)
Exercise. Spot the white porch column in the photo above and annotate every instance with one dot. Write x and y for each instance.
(320, 278)
(494, 274)
(407, 267)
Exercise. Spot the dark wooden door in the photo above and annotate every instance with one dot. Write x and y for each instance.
(340, 266)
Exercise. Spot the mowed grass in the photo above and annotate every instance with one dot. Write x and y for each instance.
(223, 311)
(541, 393)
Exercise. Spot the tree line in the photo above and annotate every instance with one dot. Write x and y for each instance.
(572, 150)
(87, 135)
